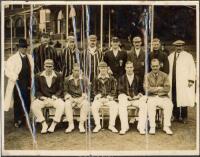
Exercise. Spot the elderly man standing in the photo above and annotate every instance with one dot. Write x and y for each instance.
(48, 93)
(182, 78)
(157, 87)
(161, 56)
(19, 70)
(129, 95)
(75, 89)
(104, 88)
(91, 58)
(137, 56)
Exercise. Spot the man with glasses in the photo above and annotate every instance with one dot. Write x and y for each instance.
(48, 93)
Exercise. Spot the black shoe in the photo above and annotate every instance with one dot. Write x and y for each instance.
(18, 124)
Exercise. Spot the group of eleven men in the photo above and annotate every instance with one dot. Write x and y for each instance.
(90, 79)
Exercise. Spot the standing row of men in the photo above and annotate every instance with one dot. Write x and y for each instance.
(181, 69)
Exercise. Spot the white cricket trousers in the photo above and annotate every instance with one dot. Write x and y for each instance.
(84, 108)
(123, 112)
(37, 106)
(165, 103)
(113, 110)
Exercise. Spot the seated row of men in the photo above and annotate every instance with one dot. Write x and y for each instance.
(117, 95)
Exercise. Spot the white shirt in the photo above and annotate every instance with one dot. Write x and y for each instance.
(130, 78)
(48, 78)
(115, 52)
(137, 51)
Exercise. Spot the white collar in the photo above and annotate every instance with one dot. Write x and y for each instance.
(130, 76)
(22, 54)
(107, 76)
(71, 77)
(52, 75)
(92, 50)
(119, 49)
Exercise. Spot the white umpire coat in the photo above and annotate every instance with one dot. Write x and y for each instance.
(13, 67)
(185, 70)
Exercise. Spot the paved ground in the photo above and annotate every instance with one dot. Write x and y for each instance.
(184, 138)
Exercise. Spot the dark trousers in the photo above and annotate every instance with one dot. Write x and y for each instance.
(18, 110)
(180, 112)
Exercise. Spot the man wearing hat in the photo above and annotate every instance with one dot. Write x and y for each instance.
(182, 78)
(104, 88)
(48, 93)
(161, 56)
(75, 90)
(19, 70)
(91, 58)
(137, 56)
(116, 58)
(70, 56)
(45, 51)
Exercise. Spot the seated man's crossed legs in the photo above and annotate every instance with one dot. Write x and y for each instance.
(37, 106)
(113, 112)
(166, 104)
(123, 113)
(72, 103)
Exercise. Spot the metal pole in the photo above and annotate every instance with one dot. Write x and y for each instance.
(83, 29)
(11, 47)
(25, 35)
(152, 25)
(101, 26)
(67, 20)
(109, 28)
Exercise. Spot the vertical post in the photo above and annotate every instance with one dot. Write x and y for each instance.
(152, 25)
(11, 35)
(81, 33)
(83, 25)
(109, 28)
(25, 35)
(67, 20)
(101, 26)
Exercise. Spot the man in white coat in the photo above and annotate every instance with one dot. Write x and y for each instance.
(19, 71)
(182, 78)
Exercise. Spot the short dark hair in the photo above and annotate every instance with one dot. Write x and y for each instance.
(129, 62)
(155, 60)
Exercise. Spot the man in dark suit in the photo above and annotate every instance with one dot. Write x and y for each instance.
(137, 56)
(130, 95)
(48, 93)
(116, 58)
(161, 56)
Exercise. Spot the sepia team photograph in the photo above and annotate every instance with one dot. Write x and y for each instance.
(99, 78)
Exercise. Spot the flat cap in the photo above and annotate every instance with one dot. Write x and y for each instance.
(115, 39)
(136, 39)
(92, 37)
(71, 37)
(178, 43)
(48, 62)
(102, 64)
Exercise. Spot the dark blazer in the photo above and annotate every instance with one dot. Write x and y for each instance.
(125, 88)
(41, 88)
(116, 64)
(138, 62)
(108, 87)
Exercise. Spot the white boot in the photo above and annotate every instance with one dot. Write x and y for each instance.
(97, 128)
(70, 127)
(52, 127)
(44, 128)
(81, 127)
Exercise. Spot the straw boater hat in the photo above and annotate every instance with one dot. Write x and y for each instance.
(178, 43)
